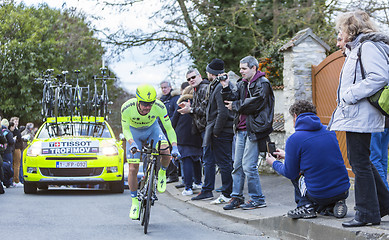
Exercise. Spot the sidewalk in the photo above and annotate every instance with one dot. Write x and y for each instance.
(272, 220)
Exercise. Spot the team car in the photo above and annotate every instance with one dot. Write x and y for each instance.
(74, 151)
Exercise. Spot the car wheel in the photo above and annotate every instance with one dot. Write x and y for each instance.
(29, 187)
(117, 187)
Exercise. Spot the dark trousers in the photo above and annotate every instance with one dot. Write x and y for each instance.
(320, 204)
(192, 171)
(371, 194)
(8, 174)
(219, 152)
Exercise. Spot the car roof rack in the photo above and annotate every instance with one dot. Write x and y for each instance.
(75, 119)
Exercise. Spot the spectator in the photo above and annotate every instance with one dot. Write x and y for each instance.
(217, 141)
(313, 159)
(17, 152)
(357, 117)
(29, 130)
(169, 98)
(189, 145)
(196, 108)
(7, 155)
(253, 105)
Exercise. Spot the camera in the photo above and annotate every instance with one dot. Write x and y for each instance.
(222, 78)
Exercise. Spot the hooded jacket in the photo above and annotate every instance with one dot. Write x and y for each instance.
(314, 151)
(354, 113)
(255, 99)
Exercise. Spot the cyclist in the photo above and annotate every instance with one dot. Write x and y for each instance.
(139, 125)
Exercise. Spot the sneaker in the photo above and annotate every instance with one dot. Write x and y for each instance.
(252, 204)
(187, 192)
(19, 185)
(161, 186)
(306, 211)
(220, 200)
(234, 203)
(340, 209)
(203, 196)
(12, 185)
(134, 212)
(197, 186)
(219, 189)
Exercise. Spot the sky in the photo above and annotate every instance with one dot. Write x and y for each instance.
(134, 66)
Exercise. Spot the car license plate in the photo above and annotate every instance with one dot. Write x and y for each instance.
(79, 164)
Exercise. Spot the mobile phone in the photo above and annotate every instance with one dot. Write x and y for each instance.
(271, 148)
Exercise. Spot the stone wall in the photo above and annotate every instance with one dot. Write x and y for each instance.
(298, 60)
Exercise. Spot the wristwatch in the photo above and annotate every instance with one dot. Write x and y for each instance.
(191, 110)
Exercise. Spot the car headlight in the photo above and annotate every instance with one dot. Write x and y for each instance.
(108, 148)
(35, 149)
(109, 151)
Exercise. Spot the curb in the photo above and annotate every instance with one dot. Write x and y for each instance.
(273, 222)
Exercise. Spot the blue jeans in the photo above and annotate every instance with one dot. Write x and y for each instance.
(192, 171)
(219, 152)
(246, 165)
(371, 194)
(379, 153)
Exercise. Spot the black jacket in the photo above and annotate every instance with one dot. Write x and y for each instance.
(19, 141)
(258, 106)
(10, 140)
(219, 118)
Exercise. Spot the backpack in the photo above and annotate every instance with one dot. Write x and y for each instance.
(380, 99)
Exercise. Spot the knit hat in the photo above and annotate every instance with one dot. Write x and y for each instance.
(216, 66)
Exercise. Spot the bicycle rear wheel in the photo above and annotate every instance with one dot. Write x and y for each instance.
(44, 102)
(150, 191)
(56, 102)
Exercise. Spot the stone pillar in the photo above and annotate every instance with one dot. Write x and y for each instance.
(300, 53)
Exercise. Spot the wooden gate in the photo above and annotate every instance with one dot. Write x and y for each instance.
(325, 81)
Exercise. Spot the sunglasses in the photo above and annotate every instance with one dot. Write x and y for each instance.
(146, 104)
(189, 78)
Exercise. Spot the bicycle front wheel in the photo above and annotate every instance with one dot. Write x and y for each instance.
(150, 191)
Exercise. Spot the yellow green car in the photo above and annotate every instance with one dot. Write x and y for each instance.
(74, 151)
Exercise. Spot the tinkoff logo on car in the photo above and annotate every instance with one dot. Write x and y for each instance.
(74, 151)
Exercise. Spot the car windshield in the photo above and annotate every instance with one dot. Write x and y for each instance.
(99, 130)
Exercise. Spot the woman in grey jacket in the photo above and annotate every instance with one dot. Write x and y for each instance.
(355, 115)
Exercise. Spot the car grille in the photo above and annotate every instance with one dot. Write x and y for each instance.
(71, 172)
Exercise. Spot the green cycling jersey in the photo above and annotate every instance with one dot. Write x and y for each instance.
(131, 117)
